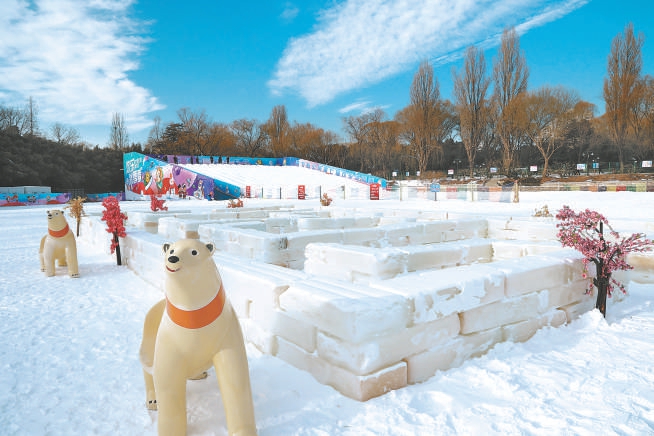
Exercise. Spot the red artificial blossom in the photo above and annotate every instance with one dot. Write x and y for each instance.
(115, 223)
(584, 231)
(156, 204)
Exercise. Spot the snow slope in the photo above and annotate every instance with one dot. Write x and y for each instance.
(69, 355)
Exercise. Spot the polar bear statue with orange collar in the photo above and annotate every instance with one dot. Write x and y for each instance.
(191, 329)
(58, 245)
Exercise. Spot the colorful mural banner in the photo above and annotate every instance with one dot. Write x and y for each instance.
(146, 175)
(267, 161)
(33, 199)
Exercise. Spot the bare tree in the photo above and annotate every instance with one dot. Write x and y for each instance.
(470, 89)
(548, 112)
(277, 128)
(388, 139)
(64, 135)
(195, 129)
(646, 115)
(427, 121)
(13, 120)
(510, 76)
(250, 137)
(621, 86)
(356, 128)
(315, 144)
(642, 117)
(220, 140)
(154, 136)
(119, 138)
(368, 128)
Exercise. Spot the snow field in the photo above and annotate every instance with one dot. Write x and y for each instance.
(371, 303)
(281, 182)
(70, 356)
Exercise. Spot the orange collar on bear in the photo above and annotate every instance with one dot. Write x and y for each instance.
(195, 319)
(59, 233)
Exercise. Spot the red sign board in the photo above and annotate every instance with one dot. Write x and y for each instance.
(301, 194)
(374, 191)
(247, 191)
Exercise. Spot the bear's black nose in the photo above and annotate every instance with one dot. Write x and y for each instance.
(173, 259)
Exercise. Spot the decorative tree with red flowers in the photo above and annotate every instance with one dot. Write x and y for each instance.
(584, 231)
(115, 223)
(157, 204)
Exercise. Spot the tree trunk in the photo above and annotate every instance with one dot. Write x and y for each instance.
(118, 261)
(602, 280)
(602, 284)
(78, 228)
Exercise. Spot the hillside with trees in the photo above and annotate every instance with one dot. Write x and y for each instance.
(36, 161)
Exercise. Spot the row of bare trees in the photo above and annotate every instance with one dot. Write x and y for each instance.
(548, 119)
(193, 133)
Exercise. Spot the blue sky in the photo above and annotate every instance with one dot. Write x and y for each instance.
(83, 60)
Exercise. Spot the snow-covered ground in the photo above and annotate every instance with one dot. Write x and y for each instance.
(69, 354)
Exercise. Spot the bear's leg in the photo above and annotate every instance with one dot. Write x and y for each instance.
(233, 375)
(41, 254)
(49, 261)
(146, 354)
(170, 386)
(71, 260)
(150, 393)
(61, 261)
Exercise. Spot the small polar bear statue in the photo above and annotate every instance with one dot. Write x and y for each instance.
(193, 328)
(58, 245)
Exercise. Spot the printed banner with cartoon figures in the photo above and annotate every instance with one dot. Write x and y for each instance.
(145, 175)
(12, 199)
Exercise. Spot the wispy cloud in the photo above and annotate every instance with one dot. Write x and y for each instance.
(290, 12)
(360, 107)
(360, 42)
(73, 57)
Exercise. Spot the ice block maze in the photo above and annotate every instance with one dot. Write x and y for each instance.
(372, 300)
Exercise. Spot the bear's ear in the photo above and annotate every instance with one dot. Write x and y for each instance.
(211, 248)
(166, 246)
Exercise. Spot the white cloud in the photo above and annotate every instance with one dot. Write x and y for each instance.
(73, 57)
(361, 42)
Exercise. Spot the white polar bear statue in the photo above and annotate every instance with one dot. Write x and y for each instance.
(186, 333)
(58, 245)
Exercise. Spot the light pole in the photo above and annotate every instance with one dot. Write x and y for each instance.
(596, 165)
(457, 162)
(588, 156)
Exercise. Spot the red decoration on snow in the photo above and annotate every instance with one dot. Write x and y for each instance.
(115, 220)
(235, 202)
(584, 231)
(157, 204)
